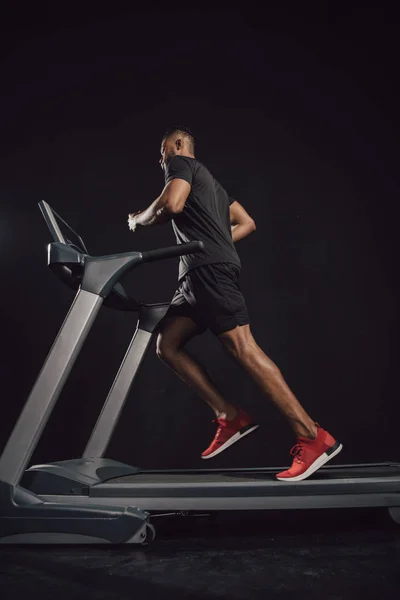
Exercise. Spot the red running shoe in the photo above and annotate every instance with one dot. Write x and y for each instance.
(229, 432)
(310, 455)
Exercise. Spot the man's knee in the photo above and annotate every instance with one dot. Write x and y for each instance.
(161, 347)
(164, 350)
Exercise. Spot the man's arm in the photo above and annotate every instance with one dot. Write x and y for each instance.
(241, 222)
(171, 202)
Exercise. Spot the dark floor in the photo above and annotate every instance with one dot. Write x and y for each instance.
(305, 554)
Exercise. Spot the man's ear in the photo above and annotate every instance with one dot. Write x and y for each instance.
(178, 144)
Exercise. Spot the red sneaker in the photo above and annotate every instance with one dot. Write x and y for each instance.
(310, 455)
(229, 432)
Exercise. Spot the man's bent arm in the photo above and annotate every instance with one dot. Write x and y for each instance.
(241, 222)
(171, 202)
(155, 214)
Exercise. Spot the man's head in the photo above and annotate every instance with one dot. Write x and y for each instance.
(176, 141)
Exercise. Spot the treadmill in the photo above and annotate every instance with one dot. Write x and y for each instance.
(95, 481)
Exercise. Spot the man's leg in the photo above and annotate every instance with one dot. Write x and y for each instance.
(174, 333)
(240, 344)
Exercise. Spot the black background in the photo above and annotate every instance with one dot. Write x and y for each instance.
(297, 115)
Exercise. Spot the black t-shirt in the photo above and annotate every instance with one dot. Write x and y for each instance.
(205, 215)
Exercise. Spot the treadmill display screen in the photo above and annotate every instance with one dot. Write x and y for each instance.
(60, 230)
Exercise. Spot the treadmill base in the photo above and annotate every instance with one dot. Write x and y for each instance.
(27, 519)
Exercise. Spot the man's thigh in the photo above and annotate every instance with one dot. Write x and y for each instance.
(217, 298)
(175, 331)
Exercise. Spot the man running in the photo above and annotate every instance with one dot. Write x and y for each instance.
(209, 296)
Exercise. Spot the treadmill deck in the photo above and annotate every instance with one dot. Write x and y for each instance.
(347, 486)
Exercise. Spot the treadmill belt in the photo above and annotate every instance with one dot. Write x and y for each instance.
(154, 477)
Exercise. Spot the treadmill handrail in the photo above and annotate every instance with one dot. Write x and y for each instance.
(171, 251)
(101, 273)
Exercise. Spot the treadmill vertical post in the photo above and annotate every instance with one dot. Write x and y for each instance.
(48, 386)
(114, 403)
(149, 318)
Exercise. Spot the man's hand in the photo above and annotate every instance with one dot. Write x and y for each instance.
(132, 220)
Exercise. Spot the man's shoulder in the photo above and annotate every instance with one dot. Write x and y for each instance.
(180, 167)
(182, 164)
(179, 162)
(180, 158)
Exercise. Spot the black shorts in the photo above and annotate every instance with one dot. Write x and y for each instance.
(210, 295)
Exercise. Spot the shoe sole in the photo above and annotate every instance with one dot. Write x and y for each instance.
(235, 438)
(317, 464)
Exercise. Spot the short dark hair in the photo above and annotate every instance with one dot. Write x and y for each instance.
(185, 131)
